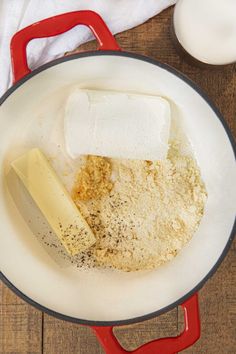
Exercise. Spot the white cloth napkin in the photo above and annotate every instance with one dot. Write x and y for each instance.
(119, 15)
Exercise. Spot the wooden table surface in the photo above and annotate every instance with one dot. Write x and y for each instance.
(24, 329)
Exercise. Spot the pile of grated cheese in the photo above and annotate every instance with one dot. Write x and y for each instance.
(144, 212)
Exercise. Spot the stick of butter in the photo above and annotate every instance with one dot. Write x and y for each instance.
(54, 201)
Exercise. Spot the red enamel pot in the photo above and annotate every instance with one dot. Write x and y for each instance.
(30, 113)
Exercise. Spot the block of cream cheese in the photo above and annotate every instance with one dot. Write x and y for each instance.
(54, 201)
(116, 124)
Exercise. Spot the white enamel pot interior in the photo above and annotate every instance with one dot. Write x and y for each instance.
(31, 115)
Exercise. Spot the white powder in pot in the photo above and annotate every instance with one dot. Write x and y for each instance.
(151, 212)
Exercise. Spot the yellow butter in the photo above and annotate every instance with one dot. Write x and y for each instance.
(54, 201)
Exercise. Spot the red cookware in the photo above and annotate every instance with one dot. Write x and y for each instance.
(29, 112)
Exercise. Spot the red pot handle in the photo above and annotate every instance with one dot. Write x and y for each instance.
(53, 26)
(170, 345)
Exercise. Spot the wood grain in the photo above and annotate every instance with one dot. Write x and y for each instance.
(61, 337)
(20, 325)
(21, 330)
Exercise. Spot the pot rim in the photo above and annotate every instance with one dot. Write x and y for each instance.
(233, 231)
